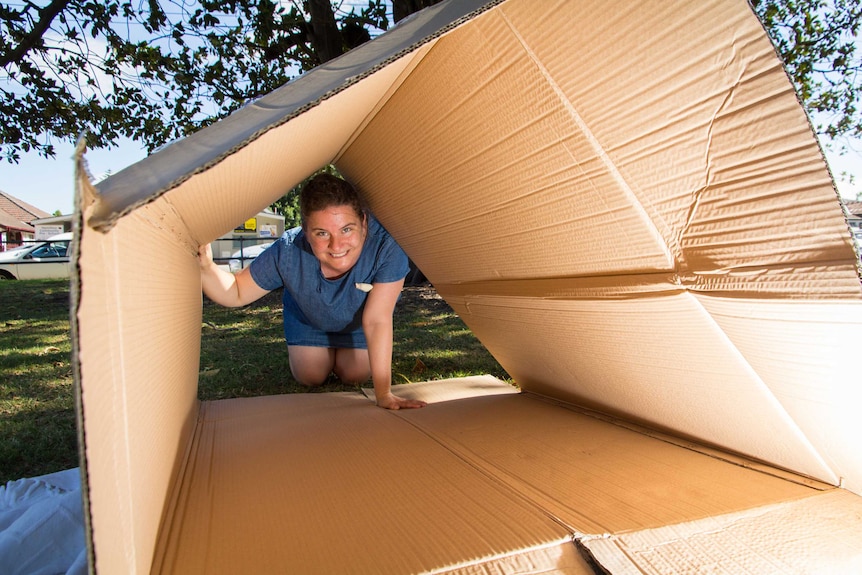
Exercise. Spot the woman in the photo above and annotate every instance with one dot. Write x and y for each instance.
(342, 274)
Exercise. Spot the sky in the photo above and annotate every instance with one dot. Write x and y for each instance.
(49, 184)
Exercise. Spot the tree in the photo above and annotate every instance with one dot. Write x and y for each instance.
(817, 41)
(158, 70)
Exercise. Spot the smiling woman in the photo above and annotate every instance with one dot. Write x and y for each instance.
(336, 236)
(342, 274)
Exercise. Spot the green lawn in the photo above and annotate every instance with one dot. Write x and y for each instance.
(242, 354)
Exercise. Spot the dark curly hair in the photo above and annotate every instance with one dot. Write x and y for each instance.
(324, 190)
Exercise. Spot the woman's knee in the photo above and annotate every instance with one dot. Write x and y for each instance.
(311, 366)
(352, 365)
(308, 379)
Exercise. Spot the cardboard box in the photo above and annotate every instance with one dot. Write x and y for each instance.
(625, 203)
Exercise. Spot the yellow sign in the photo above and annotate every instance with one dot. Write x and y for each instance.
(250, 225)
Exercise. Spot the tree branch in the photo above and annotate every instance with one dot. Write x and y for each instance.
(46, 17)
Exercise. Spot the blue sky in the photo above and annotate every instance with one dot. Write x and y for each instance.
(49, 184)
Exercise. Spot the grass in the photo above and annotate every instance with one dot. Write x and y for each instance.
(37, 418)
(242, 354)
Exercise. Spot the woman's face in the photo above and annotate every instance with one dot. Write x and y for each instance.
(336, 235)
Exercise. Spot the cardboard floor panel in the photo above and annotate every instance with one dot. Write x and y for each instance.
(593, 475)
(329, 483)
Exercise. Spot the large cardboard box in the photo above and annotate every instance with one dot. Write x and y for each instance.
(623, 201)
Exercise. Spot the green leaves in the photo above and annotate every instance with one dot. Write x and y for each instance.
(817, 41)
(153, 70)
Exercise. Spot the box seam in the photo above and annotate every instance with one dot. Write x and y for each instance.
(174, 510)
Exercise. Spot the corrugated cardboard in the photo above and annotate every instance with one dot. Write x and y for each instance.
(273, 488)
(624, 202)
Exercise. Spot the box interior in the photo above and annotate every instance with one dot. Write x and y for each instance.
(625, 203)
(484, 479)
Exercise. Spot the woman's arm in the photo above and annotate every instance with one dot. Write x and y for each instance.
(223, 287)
(377, 324)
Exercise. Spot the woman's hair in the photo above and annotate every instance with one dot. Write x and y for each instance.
(324, 190)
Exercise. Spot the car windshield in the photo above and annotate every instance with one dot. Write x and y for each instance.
(51, 250)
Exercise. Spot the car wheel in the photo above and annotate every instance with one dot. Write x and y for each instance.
(4, 275)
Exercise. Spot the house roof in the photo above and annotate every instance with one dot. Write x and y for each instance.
(855, 208)
(17, 214)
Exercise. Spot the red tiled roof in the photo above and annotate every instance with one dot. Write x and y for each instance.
(7, 222)
(854, 208)
(16, 214)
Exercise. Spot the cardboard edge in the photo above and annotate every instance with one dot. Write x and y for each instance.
(564, 556)
(811, 126)
(84, 194)
(172, 510)
(440, 390)
(118, 198)
(416, 58)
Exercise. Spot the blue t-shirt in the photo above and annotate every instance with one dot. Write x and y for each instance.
(322, 312)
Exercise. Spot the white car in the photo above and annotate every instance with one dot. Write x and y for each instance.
(37, 260)
(243, 258)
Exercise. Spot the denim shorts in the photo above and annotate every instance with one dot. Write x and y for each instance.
(299, 331)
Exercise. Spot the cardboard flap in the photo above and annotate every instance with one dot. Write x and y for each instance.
(450, 389)
(482, 480)
(610, 226)
(818, 534)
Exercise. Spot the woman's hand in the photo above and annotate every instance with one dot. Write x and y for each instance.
(205, 256)
(391, 401)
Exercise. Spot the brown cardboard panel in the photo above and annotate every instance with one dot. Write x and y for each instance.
(529, 171)
(818, 534)
(711, 141)
(328, 483)
(607, 355)
(139, 318)
(592, 475)
(607, 157)
(804, 353)
(138, 334)
(589, 185)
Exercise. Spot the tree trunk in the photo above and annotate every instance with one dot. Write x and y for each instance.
(403, 8)
(324, 35)
(34, 37)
